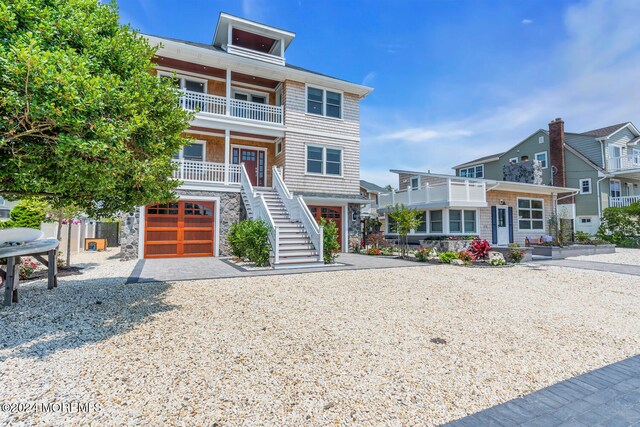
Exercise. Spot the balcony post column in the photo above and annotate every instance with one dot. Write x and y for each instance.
(466, 188)
(227, 144)
(409, 191)
(228, 94)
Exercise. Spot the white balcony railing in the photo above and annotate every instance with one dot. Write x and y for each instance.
(620, 202)
(195, 171)
(213, 104)
(451, 191)
(630, 161)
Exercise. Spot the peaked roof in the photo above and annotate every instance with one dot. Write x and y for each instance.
(605, 131)
(481, 159)
(371, 187)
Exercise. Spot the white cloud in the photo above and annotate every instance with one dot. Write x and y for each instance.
(253, 9)
(369, 79)
(526, 21)
(594, 85)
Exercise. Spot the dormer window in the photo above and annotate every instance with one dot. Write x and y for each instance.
(252, 41)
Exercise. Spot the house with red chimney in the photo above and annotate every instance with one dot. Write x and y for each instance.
(602, 164)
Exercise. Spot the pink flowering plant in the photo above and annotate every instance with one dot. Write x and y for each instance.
(27, 267)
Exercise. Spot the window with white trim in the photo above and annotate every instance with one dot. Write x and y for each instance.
(415, 182)
(324, 102)
(324, 160)
(585, 220)
(513, 160)
(194, 152)
(542, 158)
(473, 172)
(435, 221)
(531, 214)
(462, 221)
(585, 186)
(615, 188)
(541, 140)
(192, 84)
(278, 145)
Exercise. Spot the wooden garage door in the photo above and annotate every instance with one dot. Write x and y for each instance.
(179, 229)
(333, 213)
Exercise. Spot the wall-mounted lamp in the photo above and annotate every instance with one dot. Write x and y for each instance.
(502, 202)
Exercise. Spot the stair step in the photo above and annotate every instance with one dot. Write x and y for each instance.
(286, 254)
(300, 259)
(300, 264)
(294, 238)
(295, 247)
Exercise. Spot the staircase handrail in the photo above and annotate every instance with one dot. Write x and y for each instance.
(298, 211)
(260, 211)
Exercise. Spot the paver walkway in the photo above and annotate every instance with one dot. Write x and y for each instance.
(592, 265)
(162, 270)
(609, 396)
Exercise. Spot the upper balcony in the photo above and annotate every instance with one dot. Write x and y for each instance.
(630, 161)
(446, 192)
(223, 106)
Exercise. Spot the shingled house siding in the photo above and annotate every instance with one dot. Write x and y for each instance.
(295, 143)
(511, 199)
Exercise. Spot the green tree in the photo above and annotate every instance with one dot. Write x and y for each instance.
(403, 220)
(330, 245)
(27, 213)
(83, 119)
(621, 226)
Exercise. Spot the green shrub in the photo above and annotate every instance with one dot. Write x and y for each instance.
(465, 256)
(422, 254)
(250, 239)
(581, 237)
(330, 245)
(621, 226)
(447, 257)
(497, 261)
(28, 213)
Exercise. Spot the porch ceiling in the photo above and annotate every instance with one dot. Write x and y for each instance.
(633, 174)
(198, 130)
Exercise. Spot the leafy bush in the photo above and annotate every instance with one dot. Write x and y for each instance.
(479, 248)
(386, 251)
(373, 251)
(621, 226)
(330, 245)
(422, 254)
(582, 237)
(28, 213)
(447, 257)
(465, 256)
(516, 255)
(497, 261)
(377, 240)
(250, 239)
(27, 267)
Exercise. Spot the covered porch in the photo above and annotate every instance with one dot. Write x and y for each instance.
(215, 156)
(624, 188)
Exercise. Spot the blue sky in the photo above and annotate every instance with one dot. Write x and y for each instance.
(453, 80)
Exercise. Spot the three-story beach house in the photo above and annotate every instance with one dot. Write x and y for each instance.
(272, 141)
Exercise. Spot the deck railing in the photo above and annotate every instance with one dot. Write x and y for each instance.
(449, 191)
(213, 104)
(620, 202)
(630, 161)
(194, 171)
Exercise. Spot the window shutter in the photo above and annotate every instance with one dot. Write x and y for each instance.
(510, 224)
(494, 225)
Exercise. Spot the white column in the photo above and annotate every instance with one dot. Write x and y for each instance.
(227, 144)
(228, 95)
(466, 187)
(409, 191)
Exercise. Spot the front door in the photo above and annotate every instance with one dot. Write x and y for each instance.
(254, 162)
(502, 224)
(333, 213)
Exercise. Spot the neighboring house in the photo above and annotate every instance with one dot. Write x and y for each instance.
(5, 208)
(501, 212)
(273, 141)
(604, 164)
(372, 192)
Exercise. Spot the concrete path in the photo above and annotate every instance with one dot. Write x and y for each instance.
(174, 269)
(609, 396)
(592, 265)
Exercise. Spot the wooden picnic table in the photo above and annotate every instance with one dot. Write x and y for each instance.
(37, 249)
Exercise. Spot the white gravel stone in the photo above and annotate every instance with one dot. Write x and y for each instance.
(345, 347)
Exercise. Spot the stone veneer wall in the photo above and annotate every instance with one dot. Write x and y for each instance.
(231, 211)
(354, 224)
(529, 172)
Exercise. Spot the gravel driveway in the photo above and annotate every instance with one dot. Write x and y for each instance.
(402, 346)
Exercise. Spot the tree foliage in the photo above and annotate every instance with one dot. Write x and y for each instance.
(621, 226)
(330, 245)
(403, 220)
(83, 121)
